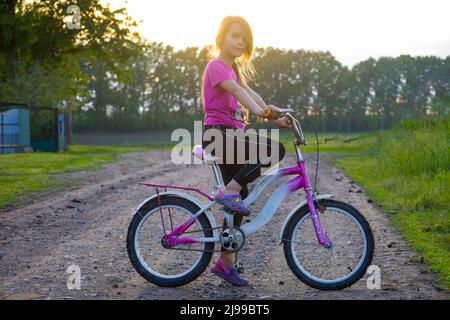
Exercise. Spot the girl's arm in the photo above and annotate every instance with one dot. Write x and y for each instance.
(256, 97)
(243, 97)
(281, 123)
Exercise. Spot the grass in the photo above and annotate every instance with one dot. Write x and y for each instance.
(334, 143)
(406, 172)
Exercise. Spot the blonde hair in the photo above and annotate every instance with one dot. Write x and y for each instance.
(242, 66)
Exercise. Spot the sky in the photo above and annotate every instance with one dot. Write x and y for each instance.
(352, 30)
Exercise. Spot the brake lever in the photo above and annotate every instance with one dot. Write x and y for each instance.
(285, 110)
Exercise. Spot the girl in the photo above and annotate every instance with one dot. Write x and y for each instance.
(224, 84)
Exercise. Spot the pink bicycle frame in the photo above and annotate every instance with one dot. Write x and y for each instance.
(172, 238)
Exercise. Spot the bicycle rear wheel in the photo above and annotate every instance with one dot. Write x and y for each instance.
(332, 268)
(157, 264)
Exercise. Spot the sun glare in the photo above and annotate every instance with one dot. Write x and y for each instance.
(352, 30)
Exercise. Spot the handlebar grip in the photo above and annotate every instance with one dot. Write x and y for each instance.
(267, 113)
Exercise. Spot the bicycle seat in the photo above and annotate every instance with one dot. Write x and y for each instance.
(200, 153)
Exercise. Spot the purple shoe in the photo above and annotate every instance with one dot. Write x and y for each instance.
(232, 202)
(230, 275)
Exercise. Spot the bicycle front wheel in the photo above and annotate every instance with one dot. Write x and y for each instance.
(157, 264)
(332, 268)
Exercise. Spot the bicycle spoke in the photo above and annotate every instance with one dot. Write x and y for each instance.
(315, 245)
(328, 264)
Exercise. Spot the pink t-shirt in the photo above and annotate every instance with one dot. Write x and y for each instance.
(221, 107)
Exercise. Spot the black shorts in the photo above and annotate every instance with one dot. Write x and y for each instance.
(243, 173)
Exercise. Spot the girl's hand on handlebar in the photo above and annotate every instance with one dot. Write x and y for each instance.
(271, 112)
(282, 123)
(275, 111)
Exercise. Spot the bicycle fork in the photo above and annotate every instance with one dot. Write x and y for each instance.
(302, 181)
(321, 236)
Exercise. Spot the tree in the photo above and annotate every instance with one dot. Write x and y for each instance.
(38, 51)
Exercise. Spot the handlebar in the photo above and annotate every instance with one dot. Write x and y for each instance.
(300, 138)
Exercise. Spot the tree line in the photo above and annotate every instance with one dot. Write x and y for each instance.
(114, 80)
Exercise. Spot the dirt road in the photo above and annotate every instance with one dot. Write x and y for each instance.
(87, 227)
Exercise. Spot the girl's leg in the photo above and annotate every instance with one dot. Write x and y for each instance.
(260, 152)
(229, 195)
(251, 171)
(237, 175)
(228, 172)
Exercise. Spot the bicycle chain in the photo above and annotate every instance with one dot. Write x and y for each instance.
(184, 249)
(203, 230)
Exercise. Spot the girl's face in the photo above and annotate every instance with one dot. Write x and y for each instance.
(234, 43)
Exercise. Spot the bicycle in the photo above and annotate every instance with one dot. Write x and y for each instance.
(328, 244)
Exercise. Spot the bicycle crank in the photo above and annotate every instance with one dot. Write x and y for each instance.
(232, 240)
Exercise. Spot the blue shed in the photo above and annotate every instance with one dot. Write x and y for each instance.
(27, 128)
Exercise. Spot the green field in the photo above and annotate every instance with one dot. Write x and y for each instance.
(406, 171)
